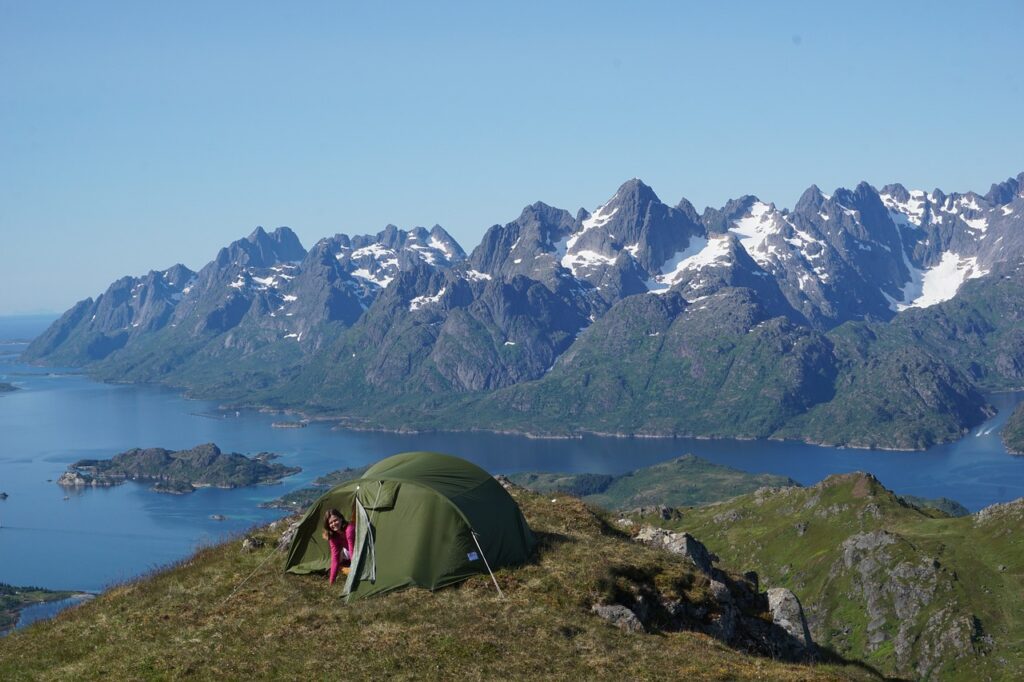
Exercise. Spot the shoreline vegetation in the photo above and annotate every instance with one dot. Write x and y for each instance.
(340, 422)
(13, 599)
(177, 472)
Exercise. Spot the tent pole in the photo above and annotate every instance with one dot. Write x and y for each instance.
(484, 557)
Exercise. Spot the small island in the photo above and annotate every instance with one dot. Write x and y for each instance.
(14, 599)
(177, 472)
(290, 425)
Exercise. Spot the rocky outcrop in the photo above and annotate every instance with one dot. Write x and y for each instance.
(683, 544)
(788, 614)
(77, 479)
(730, 608)
(898, 585)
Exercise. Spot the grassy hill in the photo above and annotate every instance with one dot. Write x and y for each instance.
(189, 621)
(684, 481)
(910, 592)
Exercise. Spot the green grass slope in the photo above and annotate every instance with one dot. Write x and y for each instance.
(189, 621)
(881, 581)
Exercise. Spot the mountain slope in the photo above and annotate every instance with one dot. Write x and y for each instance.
(881, 581)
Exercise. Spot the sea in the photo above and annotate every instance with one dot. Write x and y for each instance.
(88, 540)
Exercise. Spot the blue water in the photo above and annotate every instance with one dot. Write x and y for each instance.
(37, 612)
(90, 539)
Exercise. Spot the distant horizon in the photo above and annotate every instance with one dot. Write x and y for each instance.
(139, 136)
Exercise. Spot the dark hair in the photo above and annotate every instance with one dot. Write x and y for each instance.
(327, 519)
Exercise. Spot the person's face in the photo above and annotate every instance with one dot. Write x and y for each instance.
(334, 523)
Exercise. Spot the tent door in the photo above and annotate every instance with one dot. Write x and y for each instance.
(364, 561)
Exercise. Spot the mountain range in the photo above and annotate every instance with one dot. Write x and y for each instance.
(864, 317)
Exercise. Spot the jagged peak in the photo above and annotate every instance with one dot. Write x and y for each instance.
(1006, 191)
(634, 187)
(811, 200)
(897, 192)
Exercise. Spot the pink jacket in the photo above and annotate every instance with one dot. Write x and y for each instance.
(342, 545)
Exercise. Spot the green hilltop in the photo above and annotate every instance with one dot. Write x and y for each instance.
(684, 481)
(910, 592)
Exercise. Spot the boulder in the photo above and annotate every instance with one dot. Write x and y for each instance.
(682, 544)
(619, 616)
(251, 543)
(787, 613)
(285, 541)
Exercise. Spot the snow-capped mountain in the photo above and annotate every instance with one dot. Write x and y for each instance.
(409, 312)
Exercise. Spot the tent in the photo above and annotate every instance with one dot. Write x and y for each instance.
(422, 518)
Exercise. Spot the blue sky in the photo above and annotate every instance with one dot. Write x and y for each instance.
(136, 135)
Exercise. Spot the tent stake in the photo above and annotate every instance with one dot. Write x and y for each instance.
(484, 557)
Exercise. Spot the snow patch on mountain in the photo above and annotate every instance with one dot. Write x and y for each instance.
(753, 230)
(699, 253)
(477, 276)
(420, 301)
(911, 211)
(938, 283)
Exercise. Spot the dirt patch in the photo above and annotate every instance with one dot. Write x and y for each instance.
(862, 488)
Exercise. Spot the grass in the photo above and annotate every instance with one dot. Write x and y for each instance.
(179, 622)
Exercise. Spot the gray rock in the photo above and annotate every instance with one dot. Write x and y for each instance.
(789, 615)
(682, 544)
(619, 616)
(251, 543)
(285, 541)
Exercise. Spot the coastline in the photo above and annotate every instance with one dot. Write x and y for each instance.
(364, 424)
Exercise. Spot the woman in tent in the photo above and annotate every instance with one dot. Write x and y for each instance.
(341, 536)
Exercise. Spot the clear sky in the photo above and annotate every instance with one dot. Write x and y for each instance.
(134, 135)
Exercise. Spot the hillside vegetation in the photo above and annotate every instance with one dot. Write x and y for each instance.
(226, 614)
(684, 481)
(910, 592)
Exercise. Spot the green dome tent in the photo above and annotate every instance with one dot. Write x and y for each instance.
(433, 520)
